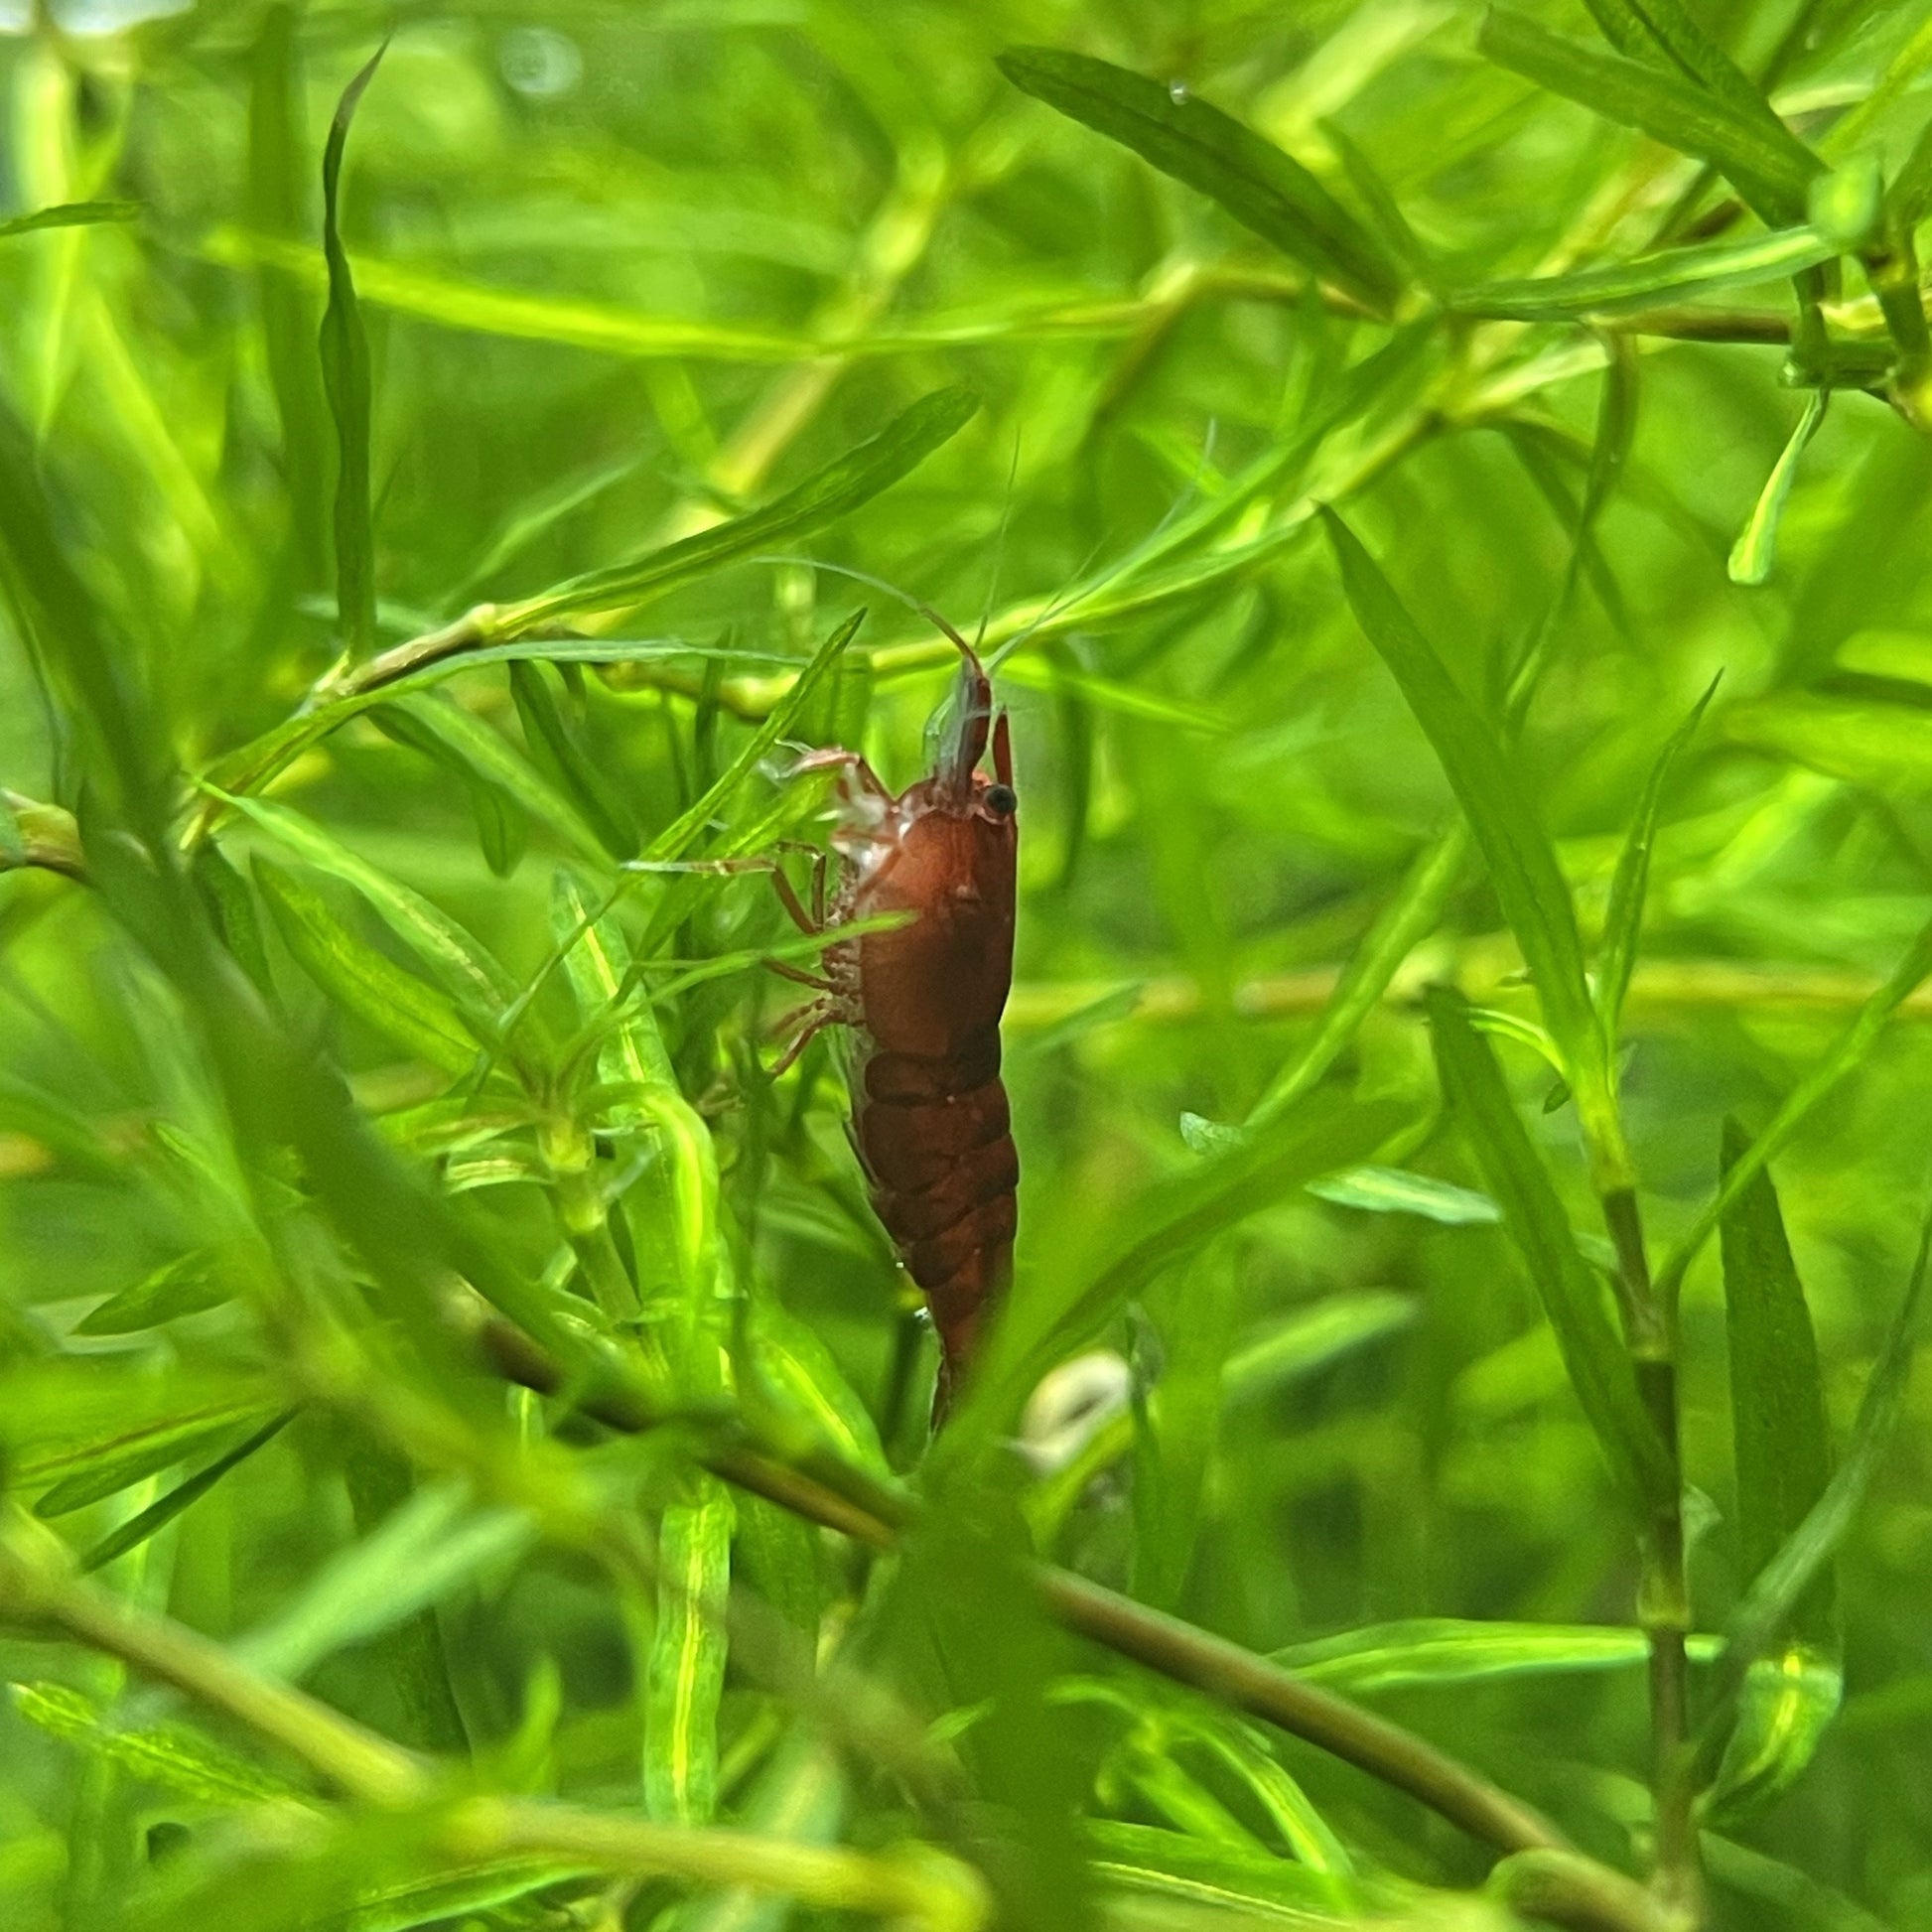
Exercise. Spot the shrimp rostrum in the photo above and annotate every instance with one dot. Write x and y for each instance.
(923, 1001)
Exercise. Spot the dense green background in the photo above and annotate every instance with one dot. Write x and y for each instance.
(740, 238)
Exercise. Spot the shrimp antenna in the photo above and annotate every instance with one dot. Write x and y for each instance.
(1082, 586)
(907, 598)
(999, 544)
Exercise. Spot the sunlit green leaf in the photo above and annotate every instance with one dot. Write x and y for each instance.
(1649, 281)
(1393, 1190)
(1752, 555)
(685, 1673)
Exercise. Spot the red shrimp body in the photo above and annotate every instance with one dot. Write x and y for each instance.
(929, 1113)
(922, 1002)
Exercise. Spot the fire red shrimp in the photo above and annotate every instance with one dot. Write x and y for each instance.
(930, 1120)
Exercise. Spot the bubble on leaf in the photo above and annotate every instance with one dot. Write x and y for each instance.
(1178, 91)
(540, 61)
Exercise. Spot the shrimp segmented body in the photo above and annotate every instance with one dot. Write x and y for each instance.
(922, 1002)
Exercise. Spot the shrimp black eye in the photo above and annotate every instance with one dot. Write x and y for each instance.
(1000, 798)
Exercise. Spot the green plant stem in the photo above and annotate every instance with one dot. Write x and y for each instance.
(1224, 1670)
(37, 1585)
(918, 1887)
(913, 1886)
(1174, 1649)
(1579, 1894)
(1663, 1599)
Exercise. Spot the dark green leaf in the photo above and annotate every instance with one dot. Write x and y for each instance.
(1641, 27)
(85, 1476)
(417, 1016)
(163, 1511)
(1770, 168)
(1253, 180)
(1779, 1432)
(824, 496)
(1571, 1297)
(1522, 865)
(557, 742)
(346, 378)
(1780, 1587)
(1623, 921)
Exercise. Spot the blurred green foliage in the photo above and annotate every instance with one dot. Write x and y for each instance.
(461, 1431)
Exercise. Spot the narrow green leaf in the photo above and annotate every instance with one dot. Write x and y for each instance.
(1780, 1587)
(420, 1018)
(471, 973)
(417, 1555)
(837, 490)
(188, 1286)
(237, 915)
(1637, 27)
(685, 1672)
(86, 1474)
(1172, 1219)
(1846, 1054)
(276, 176)
(346, 378)
(1910, 193)
(801, 1374)
(1752, 555)
(1593, 1354)
(173, 1757)
(674, 1203)
(1772, 169)
(1444, 1651)
(502, 831)
(1780, 1437)
(1311, 1338)
(1522, 864)
(1875, 741)
(495, 762)
(524, 314)
(1408, 920)
(250, 767)
(555, 738)
(1395, 1190)
(1623, 921)
(69, 214)
(677, 837)
(1648, 280)
(1786, 1705)
(1173, 1867)
(164, 1509)
(1179, 1423)
(1263, 189)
